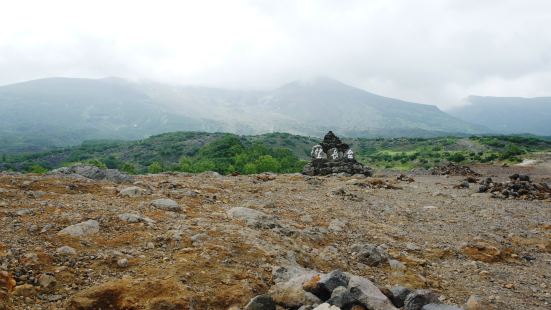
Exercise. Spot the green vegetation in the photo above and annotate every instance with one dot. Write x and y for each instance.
(275, 152)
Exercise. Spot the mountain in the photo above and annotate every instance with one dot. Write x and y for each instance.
(508, 114)
(39, 114)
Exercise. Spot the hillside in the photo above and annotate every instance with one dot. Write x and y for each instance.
(276, 152)
(508, 114)
(41, 114)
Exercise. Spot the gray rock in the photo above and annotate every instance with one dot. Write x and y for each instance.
(123, 262)
(253, 218)
(285, 273)
(94, 173)
(81, 229)
(440, 307)
(396, 265)
(416, 300)
(261, 302)
(66, 250)
(328, 282)
(166, 204)
(132, 191)
(46, 228)
(135, 218)
(398, 295)
(337, 225)
(22, 212)
(326, 306)
(370, 254)
(368, 294)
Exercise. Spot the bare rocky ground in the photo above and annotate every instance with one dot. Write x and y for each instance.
(209, 250)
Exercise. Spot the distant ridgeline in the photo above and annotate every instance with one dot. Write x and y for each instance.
(277, 152)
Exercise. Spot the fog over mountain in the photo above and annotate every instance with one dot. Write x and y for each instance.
(508, 114)
(435, 52)
(61, 111)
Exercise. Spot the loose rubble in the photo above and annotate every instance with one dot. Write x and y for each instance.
(453, 169)
(518, 187)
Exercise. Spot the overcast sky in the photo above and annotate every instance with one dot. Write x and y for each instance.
(429, 51)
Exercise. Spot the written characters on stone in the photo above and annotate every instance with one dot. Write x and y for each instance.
(332, 156)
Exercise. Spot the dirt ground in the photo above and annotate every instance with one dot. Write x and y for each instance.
(455, 241)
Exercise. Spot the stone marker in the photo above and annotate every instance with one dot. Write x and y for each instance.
(333, 156)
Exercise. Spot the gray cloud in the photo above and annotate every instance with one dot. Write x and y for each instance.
(426, 51)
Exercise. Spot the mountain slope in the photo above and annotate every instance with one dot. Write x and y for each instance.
(508, 114)
(50, 112)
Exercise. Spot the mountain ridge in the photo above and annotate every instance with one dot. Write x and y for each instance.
(64, 111)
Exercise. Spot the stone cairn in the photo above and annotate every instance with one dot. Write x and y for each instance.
(333, 156)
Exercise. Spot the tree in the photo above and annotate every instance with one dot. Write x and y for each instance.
(155, 167)
(249, 168)
(267, 163)
(129, 168)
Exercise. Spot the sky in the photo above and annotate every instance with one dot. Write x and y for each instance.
(427, 51)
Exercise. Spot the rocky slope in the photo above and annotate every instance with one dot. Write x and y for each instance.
(182, 241)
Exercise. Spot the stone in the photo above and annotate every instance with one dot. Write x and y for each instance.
(25, 290)
(440, 307)
(132, 191)
(417, 299)
(94, 173)
(368, 294)
(324, 285)
(135, 218)
(81, 229)
(23, 212)
(261, 302)
(396, 265)
(122, 262)
(166, 204)
(337, 225)
(476, 303)
(290, 294)
(252, 217)
(370, 254)
(47, 281)
(326, 306)
(66, 251)
(397, 295)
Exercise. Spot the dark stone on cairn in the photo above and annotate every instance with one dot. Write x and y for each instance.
(332, 156)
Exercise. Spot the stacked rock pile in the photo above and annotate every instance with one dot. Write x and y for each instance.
(307, 290)
(332, 156)
(519, 186)
(453, 169)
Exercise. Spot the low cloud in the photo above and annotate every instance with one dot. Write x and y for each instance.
(435, 52)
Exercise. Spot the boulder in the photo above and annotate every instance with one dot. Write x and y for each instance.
(417, 299)
(81, 229)
(290, 294)
(440, 307)
(261, 302)
(253, 218)
(323, 286)
(132, 191)
(66, 250)
(166, 204)
(397, 295)
(370, 254)
(368, 294)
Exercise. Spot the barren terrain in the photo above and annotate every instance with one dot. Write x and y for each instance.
(208, 255)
